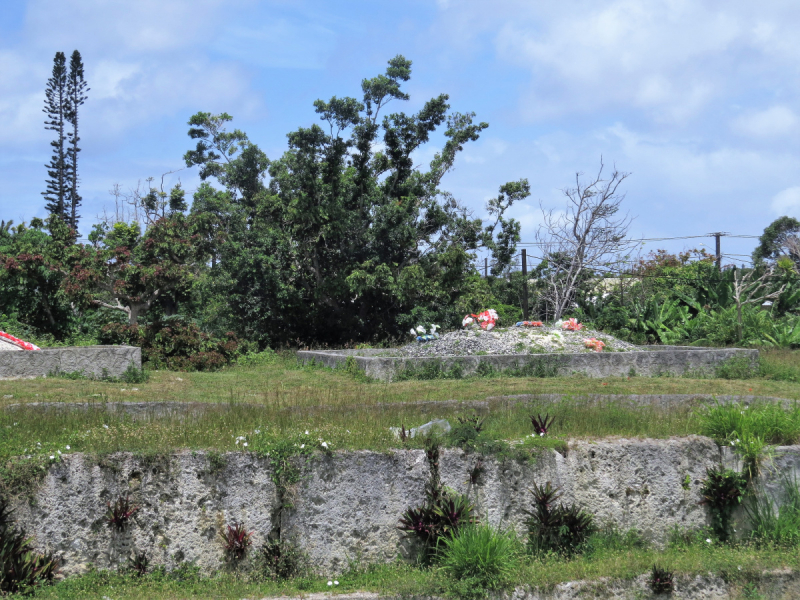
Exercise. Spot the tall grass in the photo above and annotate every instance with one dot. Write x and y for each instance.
(771, 422)
(779, 527)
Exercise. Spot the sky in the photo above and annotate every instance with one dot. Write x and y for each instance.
(699, 100)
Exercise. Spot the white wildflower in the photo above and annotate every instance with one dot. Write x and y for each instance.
(330, 583)
(67, 447)
(245, 444)
(59, 451)
(302, 446)
(105, 426)
(708, 540)
(52, 457)
(306, 431)
(324, 444)
(335, 583)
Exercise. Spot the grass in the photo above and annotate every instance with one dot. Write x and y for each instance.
(279, 399)
(739, 565)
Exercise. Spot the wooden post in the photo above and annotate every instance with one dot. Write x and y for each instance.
(524, 284)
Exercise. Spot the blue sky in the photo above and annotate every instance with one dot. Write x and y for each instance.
(698, 99)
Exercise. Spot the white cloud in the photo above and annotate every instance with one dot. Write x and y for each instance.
(776, 121)
(787, 202)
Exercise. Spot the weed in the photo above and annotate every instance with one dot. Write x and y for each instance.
(737, 367)
(216, 461)
(476, 472)
(237, 541)
(686, 484)
(119, 514)
(723, 490)
(661, 580)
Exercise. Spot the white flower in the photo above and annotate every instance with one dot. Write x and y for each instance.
(330, 583)
(105, 426)
(324, 444)
(258, 431)
(708, 540)
(237, 442)
(245, 444)
(306, 431)
(302, 446)
(67, 447)
(52, 457)
(541, 434)
(335, 583)
(58, 451)
(467, 320)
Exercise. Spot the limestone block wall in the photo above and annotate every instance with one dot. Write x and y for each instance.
(94, 361)
(658, 360)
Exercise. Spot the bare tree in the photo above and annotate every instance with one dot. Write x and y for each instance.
(747, 289)
(582, 239)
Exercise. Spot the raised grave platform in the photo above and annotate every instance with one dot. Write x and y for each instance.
(649, 361)
(96, 361)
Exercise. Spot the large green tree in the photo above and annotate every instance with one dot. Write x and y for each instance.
(344, 237)
(76, 96)
(56, 107)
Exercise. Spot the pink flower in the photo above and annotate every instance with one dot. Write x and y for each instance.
(572, 325)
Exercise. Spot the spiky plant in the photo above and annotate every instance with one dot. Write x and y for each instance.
(541, 424)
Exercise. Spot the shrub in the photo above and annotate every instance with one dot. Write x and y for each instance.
(480, 558)
(175, 345)
(21, 567)
(723, 490)
(558, 529)
(139, 563)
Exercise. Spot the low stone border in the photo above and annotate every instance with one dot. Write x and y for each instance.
(93, 361)
(658, 360)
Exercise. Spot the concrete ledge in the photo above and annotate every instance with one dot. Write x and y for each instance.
(663, 360)
(97, 361)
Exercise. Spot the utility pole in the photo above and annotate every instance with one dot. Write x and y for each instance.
(524, 285)
(717, 235)
(486, 267)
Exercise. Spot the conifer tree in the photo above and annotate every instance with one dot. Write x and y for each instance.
(76, 96)
(55, 107)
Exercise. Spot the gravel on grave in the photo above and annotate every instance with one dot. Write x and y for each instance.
(512, 340)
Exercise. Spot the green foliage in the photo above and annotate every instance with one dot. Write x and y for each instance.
(21, 567)
(281, 560)
(175, 344)
(556, 528)
(772, 243)
(661, 581)
(348, 241)
(737, 367)
(768, 526)
(442, 515)
(479, 559)
(723, 490)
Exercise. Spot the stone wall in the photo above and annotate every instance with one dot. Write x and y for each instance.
(661, 360)
(97, 361)
(348, 504)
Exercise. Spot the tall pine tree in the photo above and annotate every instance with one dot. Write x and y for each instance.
(55, 107)
(76, 96)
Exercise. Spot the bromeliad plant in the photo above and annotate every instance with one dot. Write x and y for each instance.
(556, 528)
(119, 514)
(442, 515)
(541, 424)
(237, 541)
(21, 567)
(661, 580)
(485, 320)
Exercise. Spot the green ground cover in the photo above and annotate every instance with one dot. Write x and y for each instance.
(740, 564)
(270, 400)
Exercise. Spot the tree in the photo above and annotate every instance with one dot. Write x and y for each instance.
(57, 110)
(780, 238)
(581, 239)
(753, 288)
(349, 239)
(76, 96)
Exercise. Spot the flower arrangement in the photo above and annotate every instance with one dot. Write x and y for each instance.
(21, 343)
(423, 335)
(528, 324)
(486, 319)
(572, 325)
(596, 345)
